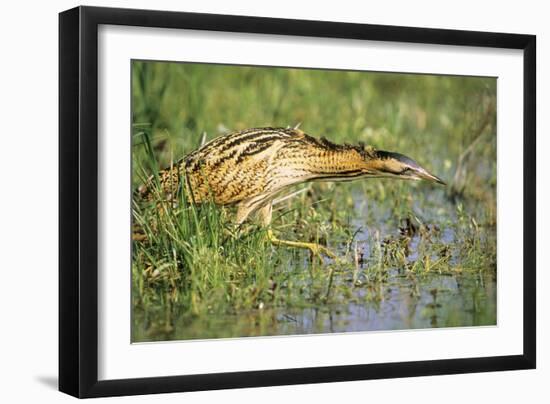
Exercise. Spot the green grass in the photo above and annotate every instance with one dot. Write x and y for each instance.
(198, 276)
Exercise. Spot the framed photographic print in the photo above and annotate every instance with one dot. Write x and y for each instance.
(250, 201)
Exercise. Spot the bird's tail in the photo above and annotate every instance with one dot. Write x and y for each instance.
(144, 191)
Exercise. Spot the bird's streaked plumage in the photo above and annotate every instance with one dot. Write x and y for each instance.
(251, 167)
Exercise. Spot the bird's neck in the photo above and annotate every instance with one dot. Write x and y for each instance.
(335, 164)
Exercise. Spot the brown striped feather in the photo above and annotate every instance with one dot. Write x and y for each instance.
(253, 165)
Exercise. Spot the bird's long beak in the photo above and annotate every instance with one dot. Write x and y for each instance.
(395, 162)
(425, 175)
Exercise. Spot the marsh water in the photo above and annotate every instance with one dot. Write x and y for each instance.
(404, 303)
(369, 293)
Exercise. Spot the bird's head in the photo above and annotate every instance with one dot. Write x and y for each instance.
(381, 163)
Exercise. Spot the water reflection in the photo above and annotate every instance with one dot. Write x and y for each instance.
(401, 303)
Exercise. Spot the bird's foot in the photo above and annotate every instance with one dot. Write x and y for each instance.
(316, 249)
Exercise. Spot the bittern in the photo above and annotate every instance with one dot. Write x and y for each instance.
(252, 167)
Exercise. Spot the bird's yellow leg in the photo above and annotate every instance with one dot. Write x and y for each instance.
(316, 249)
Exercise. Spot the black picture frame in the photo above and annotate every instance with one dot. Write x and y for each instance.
(78, 201)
